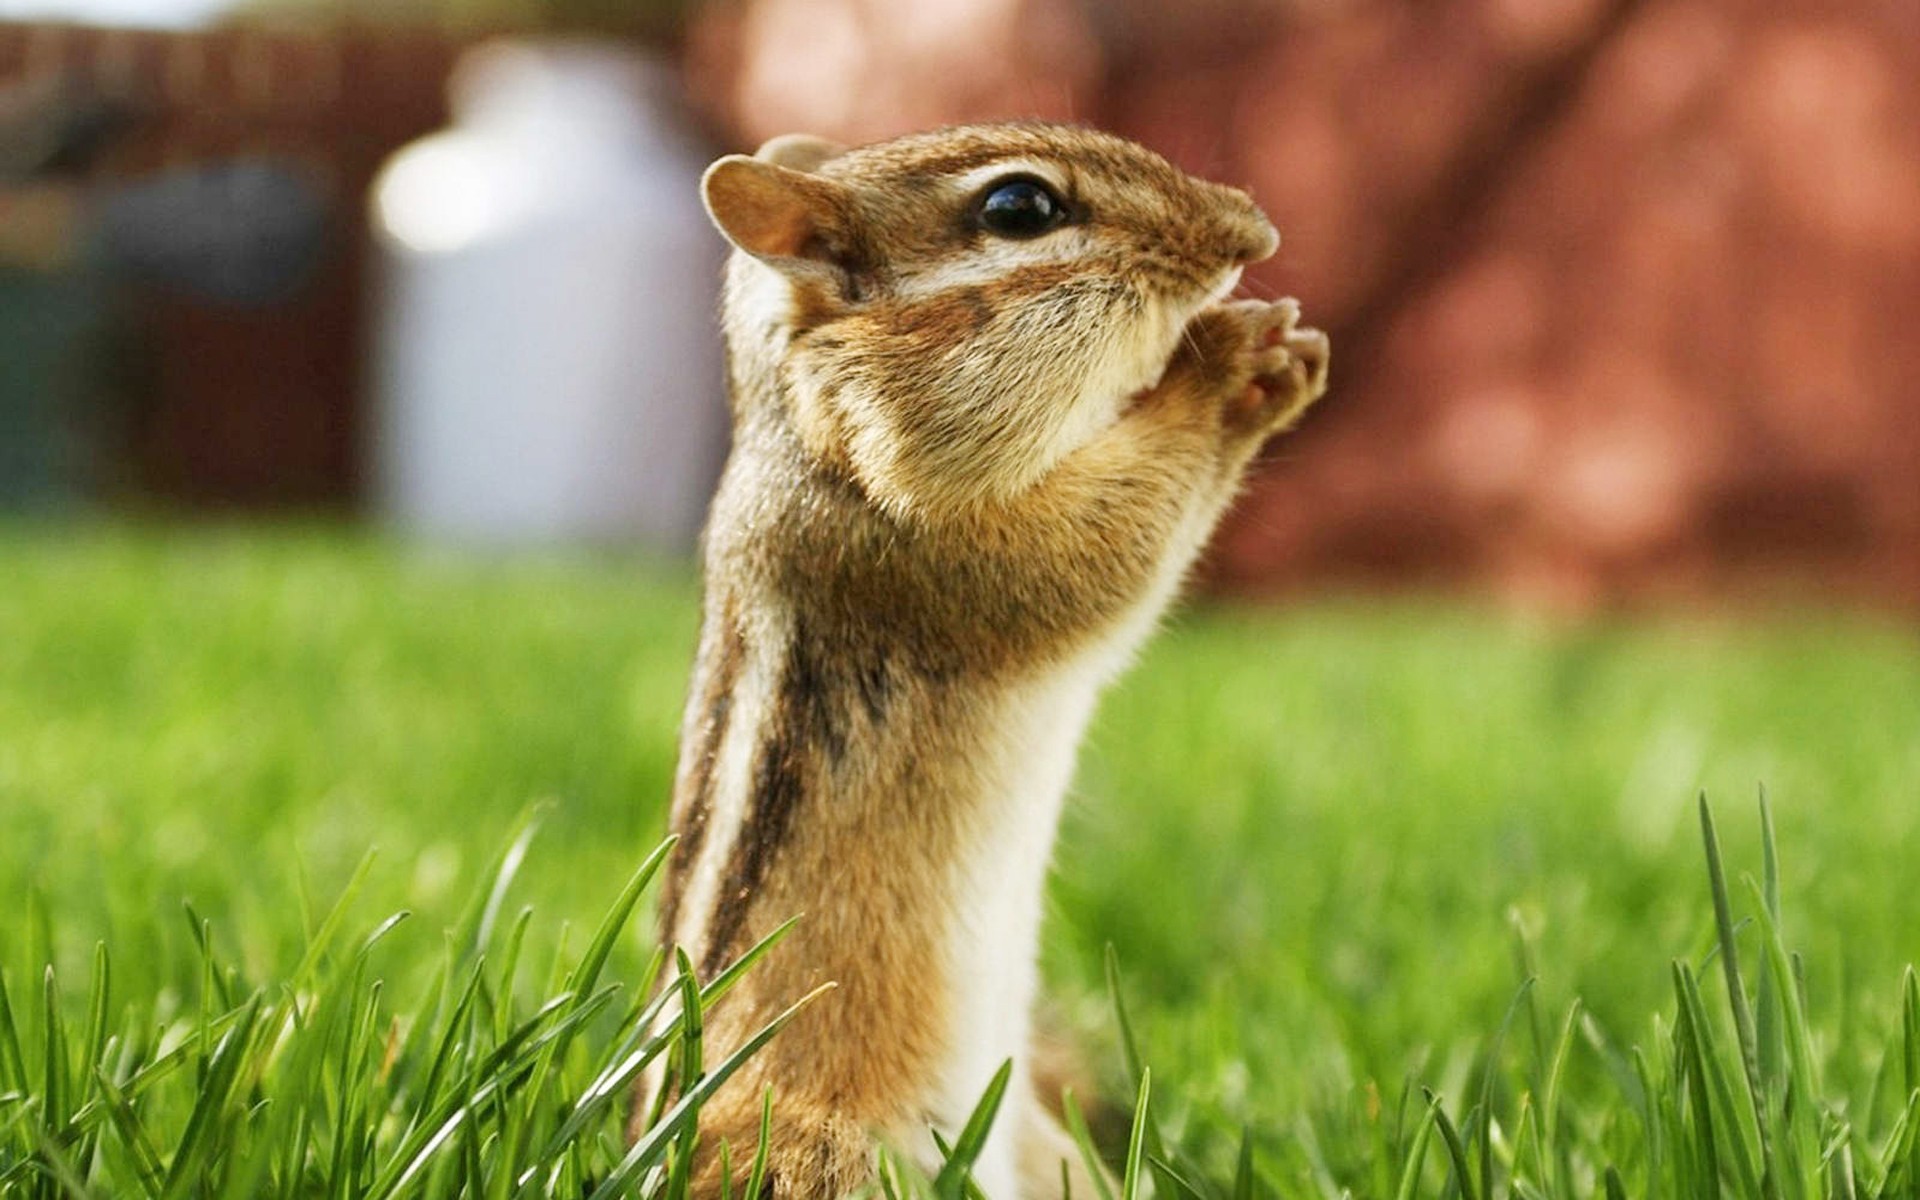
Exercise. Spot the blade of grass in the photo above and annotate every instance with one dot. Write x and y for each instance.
(1550, 1103)
(474, 931)
(600, 946)
(1616, 1190)
(1137, 1138)
(692, 1065)
(1767, 1002)
(730, 975)
(451, 1038)
(612, 1081)
(1687, 1038)
(1895, 1161)
(1129, 1048)
(14, 1063)
(1077, 1126)
(1243, 1167)
(1802, 1118)
(53, 1095)
(93, 1045)
(1416, 1159)
(161, 1066)
(692, 1028)
(757, 1176)
(1170, 1175)
(949, 1184)
(510, 1060)
(1910, 1028)
(1485, 1107)
(329, 928)
(1737, 998)
(1450, 1137)
(222, 1072)
(509, 965)
(140, 1149)
(652, 1144)
(1129, 1045)
(58, 1163)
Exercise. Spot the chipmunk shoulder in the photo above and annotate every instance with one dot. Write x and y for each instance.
(990, 397)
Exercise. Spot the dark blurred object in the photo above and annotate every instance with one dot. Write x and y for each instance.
(48, 454)
(645, 19)
(235, 405)
(50, 315)
(1622, 291)
(245, 233)
(52, 127)
(39, 226)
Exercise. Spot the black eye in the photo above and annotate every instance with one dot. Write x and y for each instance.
(1020, 208)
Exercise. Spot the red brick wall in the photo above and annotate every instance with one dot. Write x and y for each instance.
(1662, 341)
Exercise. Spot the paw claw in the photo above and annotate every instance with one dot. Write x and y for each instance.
(1289, 362)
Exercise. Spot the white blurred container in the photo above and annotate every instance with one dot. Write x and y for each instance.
(547, 366)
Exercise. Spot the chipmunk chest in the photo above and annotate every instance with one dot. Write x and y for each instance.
(996, 882)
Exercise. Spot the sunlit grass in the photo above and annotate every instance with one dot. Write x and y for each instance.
(1327, 843)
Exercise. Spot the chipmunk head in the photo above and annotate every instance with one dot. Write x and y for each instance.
(946, 315)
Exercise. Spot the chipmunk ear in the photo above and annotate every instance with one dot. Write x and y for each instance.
(798, 151)
(775, 212)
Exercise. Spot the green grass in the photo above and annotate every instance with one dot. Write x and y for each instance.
(1327, 843)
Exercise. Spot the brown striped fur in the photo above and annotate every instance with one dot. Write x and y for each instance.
(967, 474)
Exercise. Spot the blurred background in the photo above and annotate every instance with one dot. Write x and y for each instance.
(1623, 296)
(1622, 291)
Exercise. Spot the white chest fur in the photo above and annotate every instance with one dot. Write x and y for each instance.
(999, 879)
(997, 886)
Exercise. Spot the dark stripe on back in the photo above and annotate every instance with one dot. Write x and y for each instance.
(808, 717)
(873, 682)
(717, 710)
(776, 793)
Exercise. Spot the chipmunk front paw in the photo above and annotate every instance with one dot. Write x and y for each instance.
(1286, 367)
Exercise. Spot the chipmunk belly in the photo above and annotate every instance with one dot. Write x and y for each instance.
(997, 886)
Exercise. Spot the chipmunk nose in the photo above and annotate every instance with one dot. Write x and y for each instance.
(1246, 236)
(1259, 239)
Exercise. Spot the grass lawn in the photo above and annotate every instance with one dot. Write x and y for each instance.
(1327, 842)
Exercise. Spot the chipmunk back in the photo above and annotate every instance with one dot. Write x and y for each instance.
(990, 398)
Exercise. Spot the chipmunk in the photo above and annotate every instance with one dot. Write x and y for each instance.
(990, 397)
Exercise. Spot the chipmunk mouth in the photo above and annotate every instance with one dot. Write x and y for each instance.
(1167, 316)
(1220, 291)
(1229, 280)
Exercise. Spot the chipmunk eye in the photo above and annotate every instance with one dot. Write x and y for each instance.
(1020, 208)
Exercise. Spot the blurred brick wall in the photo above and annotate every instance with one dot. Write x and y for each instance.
(236, 405)
(1663, 342)
(1623, 292)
